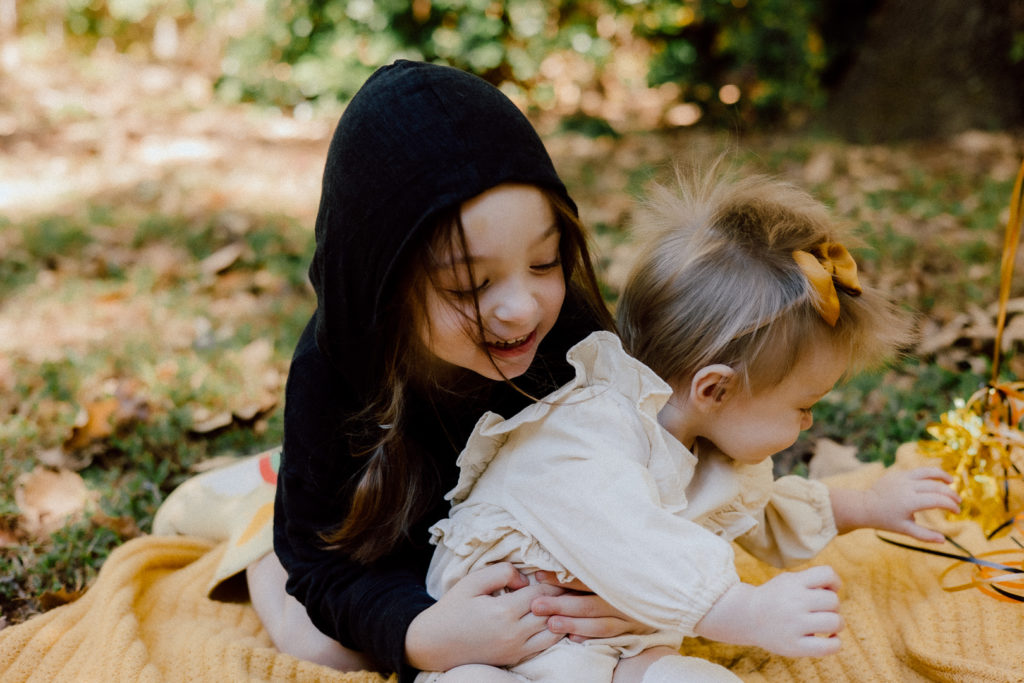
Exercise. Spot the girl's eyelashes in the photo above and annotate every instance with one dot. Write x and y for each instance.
(543, 267)
(468, 292)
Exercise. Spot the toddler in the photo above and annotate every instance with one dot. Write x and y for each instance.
(743, 310)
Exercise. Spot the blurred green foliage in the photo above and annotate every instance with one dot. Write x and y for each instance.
(286, 52)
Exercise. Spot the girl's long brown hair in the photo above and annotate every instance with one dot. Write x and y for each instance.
(397, 485)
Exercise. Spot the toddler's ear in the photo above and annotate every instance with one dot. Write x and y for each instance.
(711, 386)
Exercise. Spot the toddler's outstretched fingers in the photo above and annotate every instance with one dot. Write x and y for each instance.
(921, 533)
(936, 473)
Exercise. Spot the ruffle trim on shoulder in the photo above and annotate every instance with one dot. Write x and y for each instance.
(599, 361)
(482, 533)
(740, 515)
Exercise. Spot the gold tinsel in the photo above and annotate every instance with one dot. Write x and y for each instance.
(980, 441)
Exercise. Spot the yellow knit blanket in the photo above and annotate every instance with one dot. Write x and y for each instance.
(148, 618)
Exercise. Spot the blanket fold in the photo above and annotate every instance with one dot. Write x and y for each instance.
(148, 618)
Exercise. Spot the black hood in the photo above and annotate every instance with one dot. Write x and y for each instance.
(417, 138)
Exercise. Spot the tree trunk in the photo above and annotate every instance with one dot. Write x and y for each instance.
(931, 68)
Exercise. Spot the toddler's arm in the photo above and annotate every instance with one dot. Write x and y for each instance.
(891, 503)
(796, 614)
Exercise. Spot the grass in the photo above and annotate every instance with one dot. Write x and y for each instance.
(171, 339)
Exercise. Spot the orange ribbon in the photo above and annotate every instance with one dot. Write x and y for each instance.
(1010, 241)
(826, 266)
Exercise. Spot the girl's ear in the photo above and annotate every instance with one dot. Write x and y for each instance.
(711, 386)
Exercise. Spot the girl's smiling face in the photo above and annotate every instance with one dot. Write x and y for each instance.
(512, 247)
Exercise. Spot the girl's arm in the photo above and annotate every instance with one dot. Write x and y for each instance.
(365, 608)
(891, 503)
(380, 609)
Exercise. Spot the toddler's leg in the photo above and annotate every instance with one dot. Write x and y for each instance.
(289, 626)
(665, 665)
(475, 673)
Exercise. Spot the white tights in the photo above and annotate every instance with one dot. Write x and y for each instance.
(679, 669)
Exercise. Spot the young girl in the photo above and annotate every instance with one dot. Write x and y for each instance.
(749, 307)
(426, 162)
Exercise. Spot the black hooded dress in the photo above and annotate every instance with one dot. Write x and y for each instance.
(417, 138)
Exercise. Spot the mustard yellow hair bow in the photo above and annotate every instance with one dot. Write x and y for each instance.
(826, 266)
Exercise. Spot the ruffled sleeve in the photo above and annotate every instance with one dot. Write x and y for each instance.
(794, 525)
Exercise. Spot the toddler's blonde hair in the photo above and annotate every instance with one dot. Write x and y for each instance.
(716, 282)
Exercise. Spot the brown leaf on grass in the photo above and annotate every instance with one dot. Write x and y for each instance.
(125, 527)
(61, 459)
(49, 499)
(100, 418)
(205, 420)
(9, 532)
(95, 422)
(222, 259)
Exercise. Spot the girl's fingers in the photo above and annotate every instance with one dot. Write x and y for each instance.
(582, 629)
(491, 579)
(574, 605)
(541, 640)
(523, 600)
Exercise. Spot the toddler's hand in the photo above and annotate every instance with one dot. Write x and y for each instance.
(796, 614)
(894, 499)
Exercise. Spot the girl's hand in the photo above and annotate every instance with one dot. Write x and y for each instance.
(580, 613)
(796, 614)
(473, 624)
(890, 505)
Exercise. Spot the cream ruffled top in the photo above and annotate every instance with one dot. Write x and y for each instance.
(585, 483)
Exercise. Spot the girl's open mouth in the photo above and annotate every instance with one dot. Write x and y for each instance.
(505, 346)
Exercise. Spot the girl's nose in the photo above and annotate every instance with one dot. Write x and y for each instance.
(514, 303)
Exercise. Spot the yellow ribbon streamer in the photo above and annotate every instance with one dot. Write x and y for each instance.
(980, 441)
(825, 266)
(1010, 242)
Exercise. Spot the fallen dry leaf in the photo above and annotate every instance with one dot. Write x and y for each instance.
(205, 420)
(95, 422)
(48, 499)
(62, 459)
(8, 532)
(99, 418)
(222, 259)
(125, 527)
